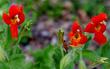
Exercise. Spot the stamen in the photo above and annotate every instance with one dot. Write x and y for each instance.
(98, 27)
(101, 22)
(78, 30)
(104, 22)
(17, 18)
(76, 36)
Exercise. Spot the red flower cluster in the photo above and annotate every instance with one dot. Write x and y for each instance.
(98, 27)
(76, 36)
(14, 18)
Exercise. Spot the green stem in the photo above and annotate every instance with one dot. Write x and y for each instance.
(100, 51)
(19, 39)
(82, 64)
(61, 48)
(81, 55)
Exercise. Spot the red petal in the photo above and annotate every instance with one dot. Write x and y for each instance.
(14, 30)
(83, 39)
(102, 16)
(102, 29)
(21, 8)
(14, 10)
(6, 18)
(99, 18)
(21, 17)
(76, 27)
(90, 28)
(95, 19)
(74, 43)
(100, 38)
(70, 35)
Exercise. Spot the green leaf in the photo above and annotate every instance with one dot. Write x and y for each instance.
(68, 60)
(105, 52)
(3, 65)
(3, 54)
(88, 53)
(57, 57)
(82, 64)
(94, 58)
(44, 58)
(88, 42)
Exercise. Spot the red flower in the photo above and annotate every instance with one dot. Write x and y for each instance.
(92, 28)
(14, 18)
(96, 26)
(76, 27)
(75, 36)
(99, 18)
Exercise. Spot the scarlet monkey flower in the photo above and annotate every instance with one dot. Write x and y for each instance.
(98, 27)
(97, 24)
(76, 36)
(14, 18)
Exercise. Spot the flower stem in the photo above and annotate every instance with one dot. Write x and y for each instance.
(62, 52)
(19, 39)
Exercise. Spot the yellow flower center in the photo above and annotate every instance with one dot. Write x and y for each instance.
(15, 19)
(98, 27)
(76, 37)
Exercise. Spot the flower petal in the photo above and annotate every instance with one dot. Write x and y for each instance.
(76, 27)
(6, 18)
(74, 43)
(100, 38)
(90, 28)
(102, 16)
(99, 18)
(83, 39)
(14, 30)
(15, 10)
(102, 28)
(70, 35)
(95, 19)
(21, 17)
(21, 8)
